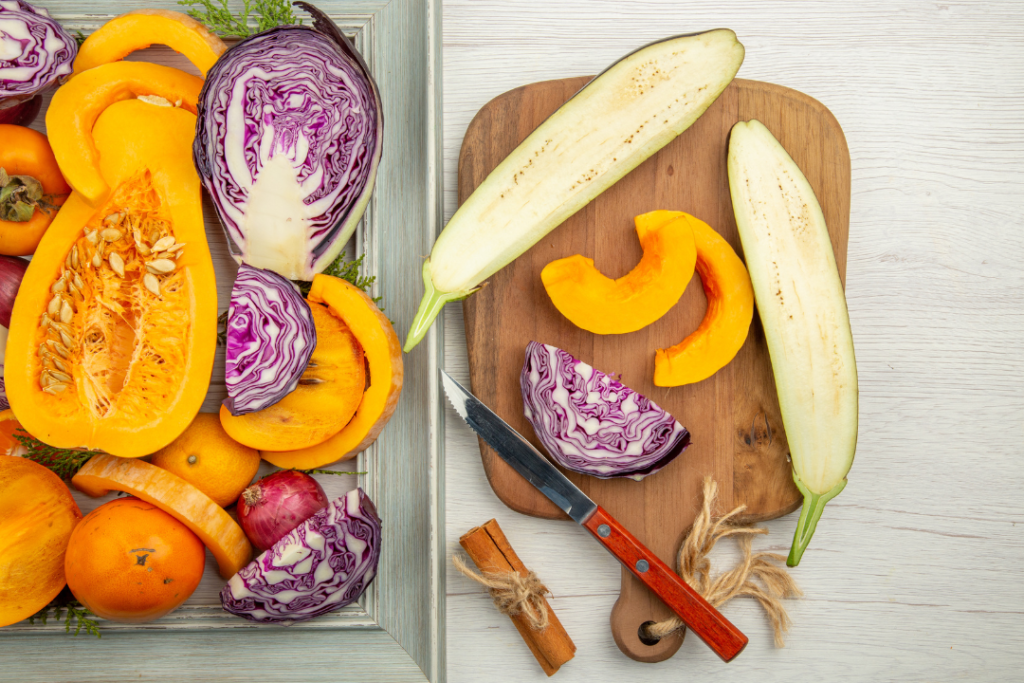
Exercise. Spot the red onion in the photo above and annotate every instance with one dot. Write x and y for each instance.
(278, 503)
(20, 112)
(12, 270)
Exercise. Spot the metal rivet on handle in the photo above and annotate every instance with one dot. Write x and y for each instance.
(604, 531)
(642, 566)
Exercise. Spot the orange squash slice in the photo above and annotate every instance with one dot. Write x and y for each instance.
(103, 352)
(176, 497)
(37, 516)
(730, 309)
(384, 360)
(77, 105)
(326, 398)
(598, 304)
(137, 30)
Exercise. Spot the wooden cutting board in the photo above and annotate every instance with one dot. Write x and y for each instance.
(733, 416)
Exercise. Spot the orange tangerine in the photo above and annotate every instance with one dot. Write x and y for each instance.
(206, 457)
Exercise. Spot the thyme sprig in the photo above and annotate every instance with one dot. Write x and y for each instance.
(311, 472)
(266, 14)
(73, 610)
(347, 270)
(64, 462)
(222, 329)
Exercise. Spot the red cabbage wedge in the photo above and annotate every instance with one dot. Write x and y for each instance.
(35, 53)
(288, 139)
(270, 339)
(591, 423)
(318, 567)
(803, 311)
(629, 112)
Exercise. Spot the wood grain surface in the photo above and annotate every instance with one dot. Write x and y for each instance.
(733, 416)
(913, 573)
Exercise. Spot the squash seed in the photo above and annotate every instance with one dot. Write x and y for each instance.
(53, 308)
(55, 388)
(66, 338)
(58, 363)
(74, 258)
(60, 376)
(79, 285)
(66, 314)
(67, 261)
(110, 234)
(61, 350)
(112, 218)
(163, 243)
(58, 286)
(152, 284)
(160, 266)
(91, 236)
(96, 260)
(116, 263)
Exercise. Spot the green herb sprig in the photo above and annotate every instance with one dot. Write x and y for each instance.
(222, 329)
(73, 610)
(266, 14)
(347, 270)
(312, 472)
(64, 462)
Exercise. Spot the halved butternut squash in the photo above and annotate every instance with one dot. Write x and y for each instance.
(326, 398)
(175, 496)
(598, 304)
(137, 30)
(77, 105)
(384, 360)
(730, 308)
(112, 339)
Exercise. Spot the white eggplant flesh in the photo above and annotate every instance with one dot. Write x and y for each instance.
(802, 306)
(619, 119)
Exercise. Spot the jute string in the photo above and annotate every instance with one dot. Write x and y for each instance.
(512, 594)
(758, 575)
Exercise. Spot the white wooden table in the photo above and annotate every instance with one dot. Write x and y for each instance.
(915, 570)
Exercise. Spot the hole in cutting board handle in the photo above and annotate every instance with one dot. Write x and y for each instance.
(646, 639)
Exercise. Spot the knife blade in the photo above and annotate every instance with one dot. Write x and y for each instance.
(705, 621)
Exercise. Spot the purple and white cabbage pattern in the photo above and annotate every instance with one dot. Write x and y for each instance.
(270, 339)
(288, 139)
(35, 51)
(319, 567)
(591, 423)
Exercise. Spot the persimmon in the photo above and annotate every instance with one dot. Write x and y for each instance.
(206, 457)
(37, 516)
(128, 560)
(31, 189)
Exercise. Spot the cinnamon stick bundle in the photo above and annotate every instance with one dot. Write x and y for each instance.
(491, 552)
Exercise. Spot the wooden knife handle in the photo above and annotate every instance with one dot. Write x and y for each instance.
(719, 633)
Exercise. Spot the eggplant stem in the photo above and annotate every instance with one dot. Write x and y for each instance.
(810, 513)
(431, 305)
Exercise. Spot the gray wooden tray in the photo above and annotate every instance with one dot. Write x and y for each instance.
(395, 632)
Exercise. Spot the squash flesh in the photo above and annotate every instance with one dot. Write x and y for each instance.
(134, 366)
(596, 303)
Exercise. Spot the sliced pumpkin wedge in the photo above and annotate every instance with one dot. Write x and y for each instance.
(326, 398)
(175, 496)
(384, 358)
(137, 30)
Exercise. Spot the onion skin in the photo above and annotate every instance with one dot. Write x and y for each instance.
(278, 503)
(20, 113)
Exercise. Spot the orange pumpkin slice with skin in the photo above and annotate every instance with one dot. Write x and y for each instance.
(137, 30)
(598, 304)
(77, 105)
(37, 516)
(325, 399)
(176, 497)
(730, 308)
(384, 359)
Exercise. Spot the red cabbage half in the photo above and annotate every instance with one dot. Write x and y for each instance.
(35, 53)
(320, 566)
(288, 140)
(270, 339)
(591, 423)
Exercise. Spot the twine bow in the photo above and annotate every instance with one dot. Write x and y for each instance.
(757, 576)
(512, 594)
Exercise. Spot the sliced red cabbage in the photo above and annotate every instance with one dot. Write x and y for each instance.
(35, 51)
(320, 566)
(270, 339)
(591, 423)
(288, 140)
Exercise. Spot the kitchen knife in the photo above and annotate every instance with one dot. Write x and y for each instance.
(726, 640)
